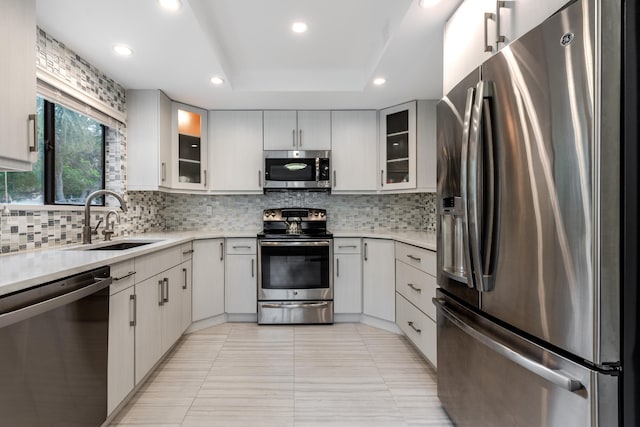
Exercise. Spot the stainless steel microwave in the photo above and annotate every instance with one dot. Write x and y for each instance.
(297, 170)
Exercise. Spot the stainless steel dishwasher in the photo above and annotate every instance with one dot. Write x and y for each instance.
(53, 352)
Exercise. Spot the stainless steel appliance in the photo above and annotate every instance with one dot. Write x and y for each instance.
(53, 352)
(297, 170)
(295, 267)
(528, 229)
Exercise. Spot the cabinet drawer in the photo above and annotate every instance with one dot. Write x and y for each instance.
(347, 246)
(123, 274)
(416, 286)
(187, 251)
(420, 258)
(418, 328)
(241, 246)
(157, 262)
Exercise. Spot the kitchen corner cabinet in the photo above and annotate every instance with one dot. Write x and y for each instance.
(208, 278)
(398, 147)
(189, 147)
(235, 151)
(149, 164)
(297, 130)
(18, 142)
(347, 276)
(241, 272)
(378, 279)
(354, 152)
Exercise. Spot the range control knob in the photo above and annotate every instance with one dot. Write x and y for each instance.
(321, 213)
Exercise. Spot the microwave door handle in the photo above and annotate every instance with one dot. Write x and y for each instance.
(464, 171)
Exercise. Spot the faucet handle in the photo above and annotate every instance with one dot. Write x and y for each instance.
(95, 230)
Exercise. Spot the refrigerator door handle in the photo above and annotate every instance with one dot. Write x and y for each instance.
(554, 377)
(464, 170)
(477, 161)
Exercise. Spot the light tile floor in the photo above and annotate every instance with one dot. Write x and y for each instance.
(239, 374)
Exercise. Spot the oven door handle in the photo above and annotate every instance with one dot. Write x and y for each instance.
(296, 243)
(297, 305)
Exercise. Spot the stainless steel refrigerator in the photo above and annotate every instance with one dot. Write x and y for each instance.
(529, 229)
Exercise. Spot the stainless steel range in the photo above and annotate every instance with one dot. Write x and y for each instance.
(295, 267)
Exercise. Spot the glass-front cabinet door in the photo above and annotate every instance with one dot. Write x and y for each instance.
(189, 147)
(398, 147)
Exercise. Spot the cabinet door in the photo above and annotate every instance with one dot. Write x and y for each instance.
(121, 359)
(314, 130)
(398, 147)
(464, 40)
(186, 290)
(17, 84)
(208, 278)
(518, 17)
(171, 307)
(189, 147)
(378, 274)
(241, 293)
(280, 130)
(148, 325)
(235, 151)
(354, 152)
(347, 283)
(148, 140)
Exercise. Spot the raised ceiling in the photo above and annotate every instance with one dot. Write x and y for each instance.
(249, 43)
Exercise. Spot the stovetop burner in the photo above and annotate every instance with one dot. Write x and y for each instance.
(295, 223)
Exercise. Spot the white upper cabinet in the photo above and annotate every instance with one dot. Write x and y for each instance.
(148, 140)
(235, 151)
(297, 130)
(398, 147)
(18, 142)
(189, 147)
(354, 153)
(480, 28)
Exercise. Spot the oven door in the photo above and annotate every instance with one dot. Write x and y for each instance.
(295, 270)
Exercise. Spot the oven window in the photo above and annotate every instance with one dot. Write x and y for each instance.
(295, 267)
(290, 169)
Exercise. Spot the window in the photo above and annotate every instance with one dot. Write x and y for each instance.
(71, 161)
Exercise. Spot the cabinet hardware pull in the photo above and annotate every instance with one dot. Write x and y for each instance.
(414, 328)
(129, 274)
(366, 255)
(415, 258)
(221, 251)
(500, 38)
(252, 262)
(382, 178)
(242, 247)
(300, 138)
(164, 171)
(134, 303)
(411, 285)
(487, 46)
(293, 133)
(34, 148)
(166, 284)
(335, 178)
(337, 267)
(259, 178)
(205, 178)
(347, 246)
(190, 251)
(161, 302)
(184, 270)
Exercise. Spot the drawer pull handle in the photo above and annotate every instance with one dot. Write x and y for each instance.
(129, 274)
(412, 286)
(347, 246)
(190, 251)
(242, 247)
(415, 258)
(414, 328)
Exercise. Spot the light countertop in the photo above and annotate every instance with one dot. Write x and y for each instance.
(23, 270)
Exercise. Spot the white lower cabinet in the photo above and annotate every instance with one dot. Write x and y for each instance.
(148, 325)
(378, 278)
(418, 327)
(208, 278)
(241, 273)
(347, 276)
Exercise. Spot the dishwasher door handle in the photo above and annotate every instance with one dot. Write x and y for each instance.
(15, 316)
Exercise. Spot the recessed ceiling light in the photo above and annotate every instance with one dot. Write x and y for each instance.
(216, 80)
(171, 5)
(379, 81)
(299, 27)
(428, 3)
(122, 49)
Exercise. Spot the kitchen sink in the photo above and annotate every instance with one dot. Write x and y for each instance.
(114, 246)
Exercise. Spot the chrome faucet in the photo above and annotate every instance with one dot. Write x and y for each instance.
(109, 227)
(86, 230)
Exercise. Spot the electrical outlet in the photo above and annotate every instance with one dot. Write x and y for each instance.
(209, 210)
